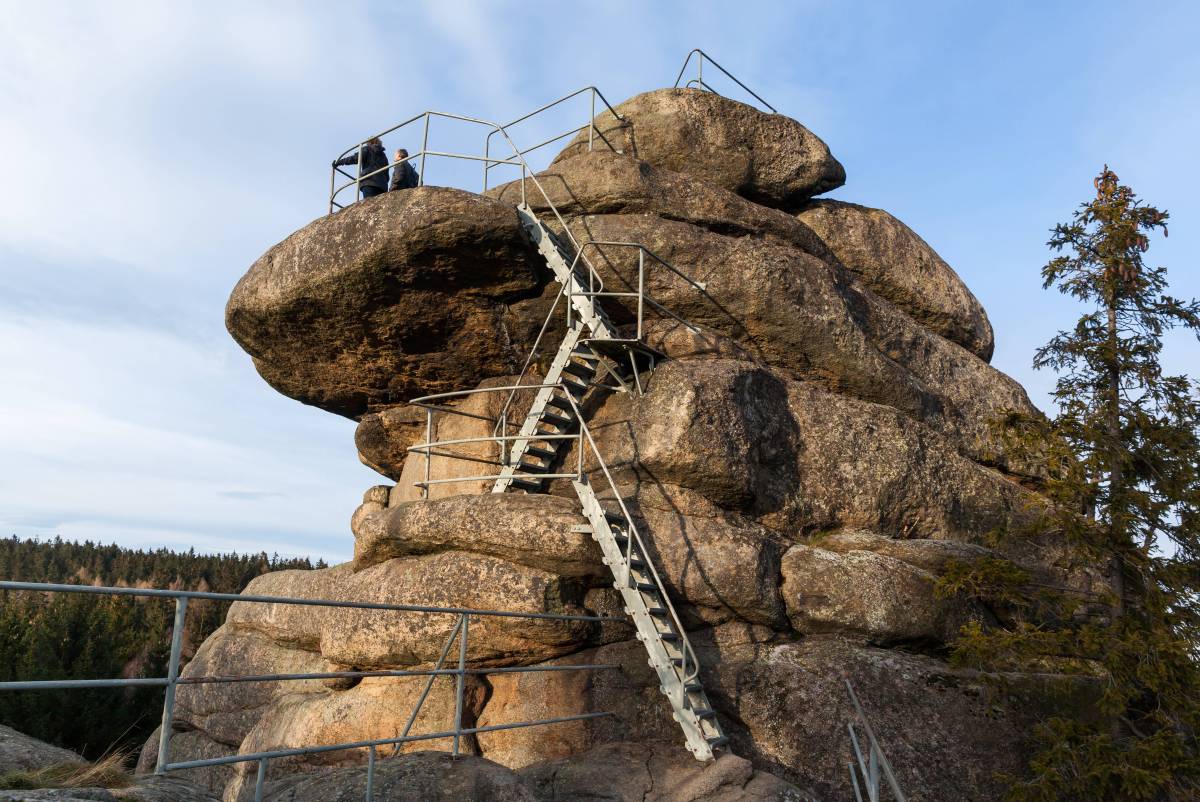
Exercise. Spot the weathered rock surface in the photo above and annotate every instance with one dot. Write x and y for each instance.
(21, 752)
(918, 708)
(533, 531)
(796, 312)
(861, 592)
(627, 772)
(797, 457)
(769, 158)
(383, 438)
(416, 777)
(378, 639)
(395, 297)
(147, 789)
(895, 262)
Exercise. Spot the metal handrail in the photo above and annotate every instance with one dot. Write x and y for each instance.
(517, 159)
(876, 760)
(459, 631)
(699, 79)
(640, 293)
(691, 664)
(590, 125)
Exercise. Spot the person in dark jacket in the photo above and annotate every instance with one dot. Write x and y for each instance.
(371, 183)
(404, 175)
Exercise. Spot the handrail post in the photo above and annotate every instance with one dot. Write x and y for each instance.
(641, 291)
(371, 774)
(332, 186)
(487, 146)
(424, 147)
(428, 451)
(462, 674)
(164, 736)
(358, 177)
(259, 781)
(592, 121)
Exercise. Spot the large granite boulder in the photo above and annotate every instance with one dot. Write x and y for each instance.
(21, 752)
(901, 267)
(768, 158)
(400, 295)
(813, 454)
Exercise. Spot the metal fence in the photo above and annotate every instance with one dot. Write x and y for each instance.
(484, 154)
(459, 633)
(874, 768)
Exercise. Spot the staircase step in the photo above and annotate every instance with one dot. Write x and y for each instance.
(528, 485)
(669, 637)
(647, 587)
(557, 421)
(703, 712)
(658, 612)
(529, 467)
(560, 403)
(575, 388)
(637, 565)
(541, 453)
(694, 687)
(585, 372)
(717, 741)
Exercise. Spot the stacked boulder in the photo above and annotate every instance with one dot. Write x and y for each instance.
(812, 456)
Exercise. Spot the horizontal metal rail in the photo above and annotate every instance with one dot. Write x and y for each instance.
(459, 631)
(699, 79)
(315, 750)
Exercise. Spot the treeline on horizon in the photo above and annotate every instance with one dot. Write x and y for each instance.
(87, 636)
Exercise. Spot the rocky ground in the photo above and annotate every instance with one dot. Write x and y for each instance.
(806, 465)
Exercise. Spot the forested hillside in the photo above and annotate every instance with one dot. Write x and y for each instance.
(67, 635)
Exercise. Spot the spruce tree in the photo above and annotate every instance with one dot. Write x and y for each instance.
(1123, 482)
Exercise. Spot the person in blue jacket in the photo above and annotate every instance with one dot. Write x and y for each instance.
(404, 175)
(371, 183)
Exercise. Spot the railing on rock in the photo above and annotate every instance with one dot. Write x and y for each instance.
(515, 159)
(459, 632)
(699, 83)
(875, 767)
(582, 474)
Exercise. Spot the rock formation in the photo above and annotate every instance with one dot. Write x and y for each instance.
(812, 455)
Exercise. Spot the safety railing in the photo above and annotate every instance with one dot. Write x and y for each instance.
(874, 768)
(699, 83)
(515, 159)
(595, 289)
(589, 126)
(584, 442)
(459, 632)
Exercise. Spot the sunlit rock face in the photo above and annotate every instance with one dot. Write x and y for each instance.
(815, 453)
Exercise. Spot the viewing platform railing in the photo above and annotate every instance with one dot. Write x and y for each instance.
(459, 631)
(699, 83)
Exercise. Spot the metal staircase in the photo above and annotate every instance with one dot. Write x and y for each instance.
(578, 366)
(594, 354)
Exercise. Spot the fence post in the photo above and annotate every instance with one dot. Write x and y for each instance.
(371, 774)
(424, 147)
(592, 121)
(164, 735)
(462, 675)
(428, 450)
(358, 178)
(258, 782)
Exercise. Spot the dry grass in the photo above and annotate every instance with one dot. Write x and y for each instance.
(107, 772)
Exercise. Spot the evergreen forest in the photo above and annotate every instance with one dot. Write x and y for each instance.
(87, 636)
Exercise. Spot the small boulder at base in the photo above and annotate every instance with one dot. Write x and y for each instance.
(768, 158)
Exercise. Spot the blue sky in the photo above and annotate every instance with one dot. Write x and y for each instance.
(154, 151)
